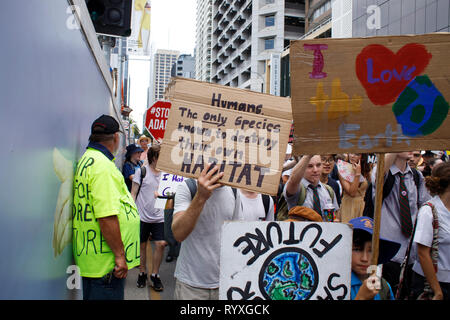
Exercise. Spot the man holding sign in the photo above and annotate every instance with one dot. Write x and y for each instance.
(197, 222)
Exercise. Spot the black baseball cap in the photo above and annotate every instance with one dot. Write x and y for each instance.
(105, 125)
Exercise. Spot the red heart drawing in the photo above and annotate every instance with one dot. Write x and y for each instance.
(385, 74)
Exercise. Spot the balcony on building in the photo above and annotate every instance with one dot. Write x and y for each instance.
(294, 27)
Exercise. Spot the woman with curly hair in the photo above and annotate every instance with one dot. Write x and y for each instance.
(432, 269)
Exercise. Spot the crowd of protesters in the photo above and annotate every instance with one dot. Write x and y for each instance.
(414, 237)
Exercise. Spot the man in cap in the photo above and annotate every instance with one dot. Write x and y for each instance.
(105, 219)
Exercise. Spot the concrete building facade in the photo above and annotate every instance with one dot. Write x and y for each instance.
(397, 17)
(247, 33)
(184, 67)
(162, 66)
(203, 41)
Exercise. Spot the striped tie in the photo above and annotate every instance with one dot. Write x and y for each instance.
(405, 212)
(316, 199)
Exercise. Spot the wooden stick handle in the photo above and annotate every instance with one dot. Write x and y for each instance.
(378, 204)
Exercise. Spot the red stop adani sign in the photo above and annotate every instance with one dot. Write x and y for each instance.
(156, 119)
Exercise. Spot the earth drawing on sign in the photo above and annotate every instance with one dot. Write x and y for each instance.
(288, 274)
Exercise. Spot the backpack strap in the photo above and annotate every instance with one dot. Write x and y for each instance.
(266, 202)
(192, 186)
(302, 195)
(330, 191)
(234, 192)
(435, 242)
(143, 173)
(388, 185)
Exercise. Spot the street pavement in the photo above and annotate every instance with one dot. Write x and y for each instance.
(166, 271)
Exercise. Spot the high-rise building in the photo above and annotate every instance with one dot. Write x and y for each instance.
(162, 65)
(203, 40)
(247, 33)
(184, 67)
(397, 17)
(318, 18)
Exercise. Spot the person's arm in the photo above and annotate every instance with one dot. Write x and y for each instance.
(290, 164)
(426, 263)
(389, 160)
(184, 221)
(134, 189)
(110, 229)
(296, 176)
(351, 188)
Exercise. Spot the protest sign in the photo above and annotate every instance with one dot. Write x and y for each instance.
(167, 184)
(156, 118)
(244, 132)
(285, 261)
(380, 94)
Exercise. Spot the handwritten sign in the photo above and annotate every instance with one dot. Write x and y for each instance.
(244, 132)
(167, 184)
(285, 261)
(380, 94)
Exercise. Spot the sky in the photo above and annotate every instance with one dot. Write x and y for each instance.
(172, 27)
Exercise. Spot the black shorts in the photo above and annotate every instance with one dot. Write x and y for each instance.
(152, 231)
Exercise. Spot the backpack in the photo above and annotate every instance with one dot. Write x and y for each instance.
(369, 207)
(193, 189)
(282, 207)
(143, 173)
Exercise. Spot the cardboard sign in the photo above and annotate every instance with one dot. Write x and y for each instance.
(380, 94)
(285, 261)
(167, 184)
(156, 119)
(244, 132)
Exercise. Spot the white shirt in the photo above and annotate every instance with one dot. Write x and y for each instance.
(390, 224)
(145, 200)
(198, 263)
(424, 236)
(253, 209)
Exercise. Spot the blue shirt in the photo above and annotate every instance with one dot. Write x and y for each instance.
(356, 284)
(128, 170)
(102, 149)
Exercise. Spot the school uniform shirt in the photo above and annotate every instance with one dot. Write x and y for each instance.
(145, 200)
(424, 236)
(390, 224)
(326, 203)
(356, 284)
(253, 209)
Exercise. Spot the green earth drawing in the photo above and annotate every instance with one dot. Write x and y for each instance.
(288, 274)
